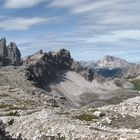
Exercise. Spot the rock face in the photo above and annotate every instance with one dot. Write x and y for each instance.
(9, 55)
(131, 71)
(3, 52)
(42, 67)
(14, 54)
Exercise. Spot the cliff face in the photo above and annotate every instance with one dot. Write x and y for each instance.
(9, 55)
(43, 67)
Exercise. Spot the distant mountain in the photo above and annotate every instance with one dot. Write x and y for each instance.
(112, 62)
(108, 68)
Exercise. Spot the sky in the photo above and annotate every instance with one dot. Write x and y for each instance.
(89, 29)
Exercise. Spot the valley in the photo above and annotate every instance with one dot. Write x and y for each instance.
(50, 96)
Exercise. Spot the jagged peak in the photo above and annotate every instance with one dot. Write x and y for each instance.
(10, 55)
(12, 44)
(112, 62)
(112, 58)
(3, 41)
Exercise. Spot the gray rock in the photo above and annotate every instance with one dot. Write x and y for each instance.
(43, 67)
(99, 114)
(52, 102)
(112, 62)
(4, 135)
(3, 52)
(3, 49)
(14, 54)
(9, 55)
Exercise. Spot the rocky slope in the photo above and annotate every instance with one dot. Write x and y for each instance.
(42, 67)
(49, 96)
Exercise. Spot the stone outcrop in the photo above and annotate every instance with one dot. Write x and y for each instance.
(14, 54)
(42, 67)
(3, 52)
(4, 135)
(9, 55)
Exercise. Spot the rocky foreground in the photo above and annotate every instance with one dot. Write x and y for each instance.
(49, 96)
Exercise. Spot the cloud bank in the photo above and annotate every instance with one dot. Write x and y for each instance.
(20, 23)
(21, 3)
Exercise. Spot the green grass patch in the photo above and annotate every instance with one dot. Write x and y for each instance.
(15, 113)
(2, 106)
(86, 117)
(11, 121)
(30, 102)
(15, 108)
(8, 107)
(63, 138)
(136, 84)
(4, 95)
(63, 113)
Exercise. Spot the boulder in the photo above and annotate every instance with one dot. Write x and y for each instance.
(99, 114)
(4, 135)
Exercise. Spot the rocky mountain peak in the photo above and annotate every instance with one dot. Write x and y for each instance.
(42, 66)
(3, 50)
(14, 54)
(112, 62)
(3, 40)
(109, 58)
(9, 55)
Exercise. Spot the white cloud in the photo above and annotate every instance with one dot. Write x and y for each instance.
(102, 16)
(21, 23)
(92, 50)
(21, 3)
(81, 6)
(65, 3)
(112, 37)
(89, 6)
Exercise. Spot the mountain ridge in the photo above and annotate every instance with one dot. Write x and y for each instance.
(52, 96)
(43, 64)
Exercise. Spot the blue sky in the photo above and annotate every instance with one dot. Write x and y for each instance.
(90, 29)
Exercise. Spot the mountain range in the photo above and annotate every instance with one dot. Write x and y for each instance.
(57, 82)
